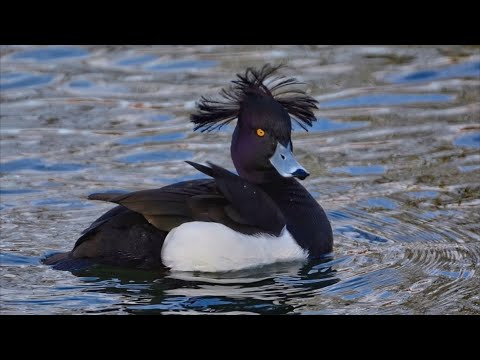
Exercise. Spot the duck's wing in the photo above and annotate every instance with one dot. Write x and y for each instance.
(247, 204)
(227, 199)
(165, 208)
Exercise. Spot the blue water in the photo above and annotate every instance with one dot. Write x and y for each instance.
(386, 100)
(37, 165)
(466, 69)
(395, 167)
(380, 202)
(156, 156)
(470, 140)
(422, 194)
(152, 139)
(361, 235)
(14, 81)
(81, 84)
(326, 125)
(137, 60)
(359, 170)
(183, 65)
(15, 259)
(62, 203)
(53, 53)
(161, 117)
(17, 191)
(468, 168)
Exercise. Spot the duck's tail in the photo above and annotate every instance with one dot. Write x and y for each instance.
(65, 261)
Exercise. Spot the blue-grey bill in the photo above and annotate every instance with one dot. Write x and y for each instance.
(286, 164)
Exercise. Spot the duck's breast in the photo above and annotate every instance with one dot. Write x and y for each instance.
(213, 247)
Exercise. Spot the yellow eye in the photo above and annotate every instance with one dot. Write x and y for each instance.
(260, 132)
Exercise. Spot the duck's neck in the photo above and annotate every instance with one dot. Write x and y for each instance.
(306, 220)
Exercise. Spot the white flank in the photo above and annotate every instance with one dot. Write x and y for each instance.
(213, 247)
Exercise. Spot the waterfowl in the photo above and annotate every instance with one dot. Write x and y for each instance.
(227, 221)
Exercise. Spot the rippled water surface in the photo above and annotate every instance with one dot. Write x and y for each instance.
(394, 158)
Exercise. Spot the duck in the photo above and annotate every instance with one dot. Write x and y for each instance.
(227, 221)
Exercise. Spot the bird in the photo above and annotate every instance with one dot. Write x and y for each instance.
(226, 221)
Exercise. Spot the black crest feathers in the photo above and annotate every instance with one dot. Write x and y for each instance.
(212, 114)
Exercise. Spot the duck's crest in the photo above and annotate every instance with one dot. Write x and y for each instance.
(213, 113)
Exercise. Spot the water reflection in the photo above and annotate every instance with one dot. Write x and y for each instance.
(470, 140)
(137, 60)
(326, 125)
(152, 139)
(467, 69)
(386, 99)
(156, 156)
(50, 54)
(14, 81)
(259, 291)
(393, 158)
(183, 65)
(37, 165)
(359, 170)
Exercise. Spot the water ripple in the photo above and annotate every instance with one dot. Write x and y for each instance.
(393, 159)
(37, 165)
(468, 69)
(50, 54)
(15, 81)
(386, 99)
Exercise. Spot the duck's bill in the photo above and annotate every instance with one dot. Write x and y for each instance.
(286, 164)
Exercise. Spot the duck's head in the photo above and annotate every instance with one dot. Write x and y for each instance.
(262, 146)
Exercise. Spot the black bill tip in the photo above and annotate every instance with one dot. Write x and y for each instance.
(301, 174)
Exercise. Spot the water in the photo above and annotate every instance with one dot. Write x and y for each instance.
(394, 158)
